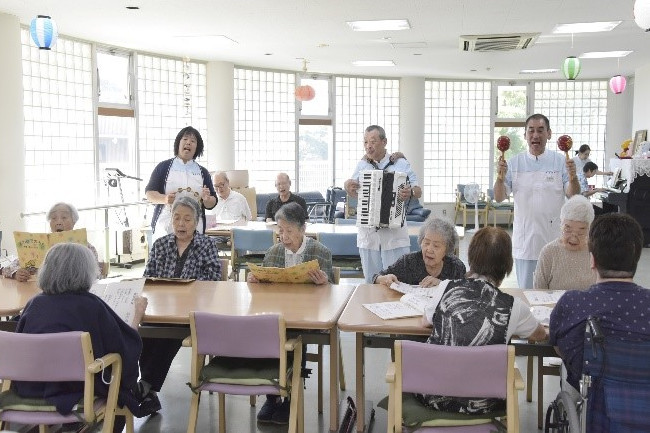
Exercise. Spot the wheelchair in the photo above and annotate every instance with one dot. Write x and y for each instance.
(614, 391)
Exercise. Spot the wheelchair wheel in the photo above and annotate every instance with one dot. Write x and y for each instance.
(562, 416)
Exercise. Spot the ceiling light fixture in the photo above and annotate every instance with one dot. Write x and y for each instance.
(373, 63)
(43, 31)
(379, 25)
(604, 54)
(601, 26)
(539, 71)
(642, 14)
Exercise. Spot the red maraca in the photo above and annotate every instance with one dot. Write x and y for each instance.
(565, 143)
(503, 144)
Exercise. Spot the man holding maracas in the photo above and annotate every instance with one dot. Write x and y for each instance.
(539, 181)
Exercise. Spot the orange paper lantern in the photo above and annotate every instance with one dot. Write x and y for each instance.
(305, 93)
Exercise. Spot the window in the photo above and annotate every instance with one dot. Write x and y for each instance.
(361, 102)
(265, 125)
(576, 108)
(59, 123)
(161, 109)
(457, 137)
(315, 137)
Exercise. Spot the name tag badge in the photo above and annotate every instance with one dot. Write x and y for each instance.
(550, 176)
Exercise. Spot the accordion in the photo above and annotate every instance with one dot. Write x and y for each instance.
(378, 203)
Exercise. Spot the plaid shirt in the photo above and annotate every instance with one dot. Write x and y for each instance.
(274, 257)
(202, 261)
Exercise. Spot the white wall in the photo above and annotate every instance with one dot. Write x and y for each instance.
(12, 147)
(411, 123)
(619, 120)
(220, 97)
(641, 116)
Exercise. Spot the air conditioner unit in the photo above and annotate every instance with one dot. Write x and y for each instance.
(506, 42)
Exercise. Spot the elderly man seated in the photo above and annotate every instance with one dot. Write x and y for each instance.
(231, 204)
(283, 185)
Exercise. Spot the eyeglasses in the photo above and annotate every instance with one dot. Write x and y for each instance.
(581, 233)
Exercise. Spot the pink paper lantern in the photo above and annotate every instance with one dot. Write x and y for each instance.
(617, 84)
(305, 93)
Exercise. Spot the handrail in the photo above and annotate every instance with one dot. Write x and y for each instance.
(106, 206)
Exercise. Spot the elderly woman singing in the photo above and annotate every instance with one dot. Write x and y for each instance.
(187, 254)
(61, 217)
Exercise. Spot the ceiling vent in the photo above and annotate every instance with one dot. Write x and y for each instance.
(497, 42)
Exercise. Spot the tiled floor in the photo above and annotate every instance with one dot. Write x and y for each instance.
(175, 395)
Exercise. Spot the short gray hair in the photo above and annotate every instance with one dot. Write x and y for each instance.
(442, 227)
(292, 213)
(190, 203)
(67, 268)
(577, 208)
(73, 212)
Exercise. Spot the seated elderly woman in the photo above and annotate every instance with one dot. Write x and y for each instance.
(62, 217)
(185, 253)
(66, 304)
(294, 248)
(564, 263)
(438, 240)
(474, 312)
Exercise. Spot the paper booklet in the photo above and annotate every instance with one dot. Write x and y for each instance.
(543, 297)
(32, 247)
(293, 274)
(418, 290)
(120, 296)
(542, 313)
(409, 305)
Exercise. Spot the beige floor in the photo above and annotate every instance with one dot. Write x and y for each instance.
(175, 395)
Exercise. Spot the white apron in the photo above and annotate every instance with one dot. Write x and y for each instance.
(190, 183)
(538, 196)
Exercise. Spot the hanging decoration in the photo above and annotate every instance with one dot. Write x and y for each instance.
(187, 88)
(571, 67)
(306, 92)
(617, 84)
(43, 31)
(642, 14)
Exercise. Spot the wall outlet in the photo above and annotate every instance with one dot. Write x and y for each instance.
(444, 212)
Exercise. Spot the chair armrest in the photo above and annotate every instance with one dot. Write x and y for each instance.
(519, 381)
(99, 364)
(187, 341)
(292, 344)
(390, 373)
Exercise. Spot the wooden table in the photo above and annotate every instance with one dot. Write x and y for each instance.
(311, 309)
(374, 332)
(13, 297)
(305, 307)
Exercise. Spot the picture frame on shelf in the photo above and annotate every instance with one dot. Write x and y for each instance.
(640, 136)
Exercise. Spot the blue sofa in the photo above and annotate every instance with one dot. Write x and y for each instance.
(312, 198)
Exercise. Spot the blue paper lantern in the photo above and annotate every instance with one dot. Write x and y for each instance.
(43, 31)
(571, 67)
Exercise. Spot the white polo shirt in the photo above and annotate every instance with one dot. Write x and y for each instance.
(235, 207)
